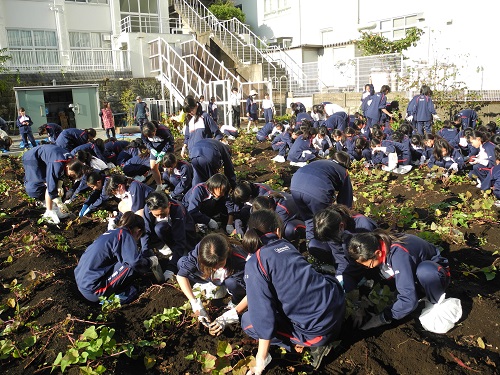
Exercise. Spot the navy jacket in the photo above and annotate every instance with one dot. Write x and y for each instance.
(24, 128)
(180, 178)
(199, 203)
(162, 142)
(71, 138)
(205, 127)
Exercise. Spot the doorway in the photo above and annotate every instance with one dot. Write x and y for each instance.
(57, 108)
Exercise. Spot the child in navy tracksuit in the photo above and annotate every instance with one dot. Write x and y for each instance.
(266, 132)
(212, 109)
(73, 137)
(377, 106)
(361, 150)
(339, 120)
(169, 228)
(98, 183)
(137, 167)
(283, 140)
(208, 156)
(283, 204)
(179, 176)
(240, 204)
(333, 229)
(252, 110)
(445, 156)
(24, 123)
(484, 160)
(308, 314)
(302, 149)
(52, 130)
(133, 149)
(207, 200)
(91, 148)
(466, 118)
(417, 267)
(112, 149)
(132, 193)
(197, 125)
(448, 132)
(297, 108)
(159, 141)
(112, 261)
(423, 110)
(330, 180)
(493, 179)
(301, 119)
(322, 142)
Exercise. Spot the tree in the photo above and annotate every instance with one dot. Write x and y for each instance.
(225, 10)
(376, 44)
(449, 94)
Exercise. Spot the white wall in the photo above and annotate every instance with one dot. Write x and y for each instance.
(88, 17)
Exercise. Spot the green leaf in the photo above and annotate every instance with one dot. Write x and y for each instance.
(223, 348)
(149, 361)
(207, 361)
(90, 333)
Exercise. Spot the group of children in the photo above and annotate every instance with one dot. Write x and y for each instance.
(172, 230)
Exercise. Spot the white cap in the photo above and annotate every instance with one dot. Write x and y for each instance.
(253, 92)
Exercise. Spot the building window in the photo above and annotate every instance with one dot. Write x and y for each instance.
(33, 47)
(140, 16)
(327, 37)
(87, 40)
(88, 1)
(396, 28)
(276, 6)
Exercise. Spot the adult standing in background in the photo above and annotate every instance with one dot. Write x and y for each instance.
(24, 123)
(234, 100)
(252, 111)
(141, 112)
(108, 120)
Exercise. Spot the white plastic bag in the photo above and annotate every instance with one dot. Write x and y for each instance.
(442, 316)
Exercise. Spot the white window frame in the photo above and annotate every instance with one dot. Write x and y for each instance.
(100, 2)
(410, 20)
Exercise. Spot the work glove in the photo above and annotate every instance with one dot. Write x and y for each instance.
(112, 223)
(409, 118)
(229, 229)
(183, 152)
(453, 167)
(200, 311)
(62, 207)
(463, 142)
(68, 201)
(422, 160)
(60, 188)
(436, 118)
(212, 224)
(154, 152)
(51, 217)
(219, 325)
(260, 365)
(375, 321)
(156, 269)
(84, 211)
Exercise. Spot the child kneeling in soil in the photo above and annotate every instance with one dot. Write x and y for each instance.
(289, 303)
(215, 266)
(112, 261)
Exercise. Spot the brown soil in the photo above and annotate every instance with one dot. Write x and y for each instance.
(51, 306)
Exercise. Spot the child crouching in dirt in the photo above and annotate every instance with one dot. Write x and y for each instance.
(214, 266)
(112, 261)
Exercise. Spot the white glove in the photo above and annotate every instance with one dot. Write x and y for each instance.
(463, 142)
(409, 118)
(60, 189)
(436, 117)
(156, 269)
(62, 207)
(260, 365)
(111, 223)
(229, 229)
(68, 201)
(198, 309)
(375, 321)
(51, 217)
(357, 315)
(212, 224)
(183, 151)
(422, 159)
(454, 167)
(219, 324)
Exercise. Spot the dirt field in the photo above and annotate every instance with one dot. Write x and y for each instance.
(43, 314)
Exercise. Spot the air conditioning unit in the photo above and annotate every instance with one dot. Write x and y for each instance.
(106, 37)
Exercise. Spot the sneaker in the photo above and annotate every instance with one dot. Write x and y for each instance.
(478, 183)
(279, 159)
(318, 353)
(298, 163)
(165, 250)
(255, 129)
(231, 137)
(404, 169)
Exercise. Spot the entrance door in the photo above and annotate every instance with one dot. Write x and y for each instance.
(85, 107)
(34, 104)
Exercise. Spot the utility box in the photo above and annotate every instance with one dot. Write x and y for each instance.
(71, 106)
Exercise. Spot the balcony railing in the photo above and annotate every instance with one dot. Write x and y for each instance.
(150, 24)
(52, 60)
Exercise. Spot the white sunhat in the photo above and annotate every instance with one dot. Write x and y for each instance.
(253, 92)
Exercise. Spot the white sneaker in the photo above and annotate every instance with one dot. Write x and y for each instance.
(298, 163)
(255, 129)
(51, 217)
(404, 169)
(165, 250)
(140, 178)
(497, 203)
(279, 159)
(478, 183)
(231, 137)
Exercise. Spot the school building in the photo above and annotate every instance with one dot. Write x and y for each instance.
(289, 48)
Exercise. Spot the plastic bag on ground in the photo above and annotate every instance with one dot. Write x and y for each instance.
(442, 316)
